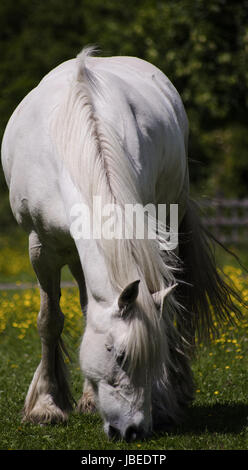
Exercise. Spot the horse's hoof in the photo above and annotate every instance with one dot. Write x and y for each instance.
(44, 412)
(86, 404)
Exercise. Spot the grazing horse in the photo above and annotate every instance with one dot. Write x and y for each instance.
(112, 128)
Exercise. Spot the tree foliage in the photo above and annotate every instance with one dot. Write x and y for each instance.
(202, 46)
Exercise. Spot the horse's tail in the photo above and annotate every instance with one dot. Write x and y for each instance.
(208, 299)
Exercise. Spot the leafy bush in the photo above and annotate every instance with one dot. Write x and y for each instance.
(201, 46)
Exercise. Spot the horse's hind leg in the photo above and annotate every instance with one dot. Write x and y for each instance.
(48, 399)
(173, 393)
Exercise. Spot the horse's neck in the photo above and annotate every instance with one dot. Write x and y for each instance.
(92, 260)
(95, 271)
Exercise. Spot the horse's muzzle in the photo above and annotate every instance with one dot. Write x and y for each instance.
(131, 433)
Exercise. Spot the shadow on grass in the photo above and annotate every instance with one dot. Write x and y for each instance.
(218, 418)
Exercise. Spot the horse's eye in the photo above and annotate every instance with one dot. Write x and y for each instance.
(120, 357)
(108, 347)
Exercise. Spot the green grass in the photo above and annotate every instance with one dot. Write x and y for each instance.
(216, 420)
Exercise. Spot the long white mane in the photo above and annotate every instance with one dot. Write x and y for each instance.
(99, 166)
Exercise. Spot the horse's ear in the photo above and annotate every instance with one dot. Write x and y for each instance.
(128, 295)
(160, 296)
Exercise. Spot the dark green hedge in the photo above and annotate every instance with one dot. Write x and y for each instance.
(201, 45)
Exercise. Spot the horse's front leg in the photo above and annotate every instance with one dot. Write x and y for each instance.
(86, 403)
(48, 399)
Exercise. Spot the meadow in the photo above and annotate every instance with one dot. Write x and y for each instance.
(218, 418)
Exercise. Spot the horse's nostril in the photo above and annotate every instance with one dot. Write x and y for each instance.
(113, 432)
(132, 433)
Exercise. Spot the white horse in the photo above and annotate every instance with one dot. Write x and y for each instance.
(116, 128)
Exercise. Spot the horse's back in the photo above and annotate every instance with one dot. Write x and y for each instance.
(149, 118)
(146, 73)
(145, 109)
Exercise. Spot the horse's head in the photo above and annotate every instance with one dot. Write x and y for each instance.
(116, 358)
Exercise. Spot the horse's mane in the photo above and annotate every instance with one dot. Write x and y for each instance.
(99, 166)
